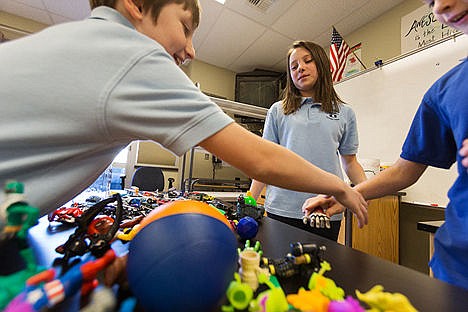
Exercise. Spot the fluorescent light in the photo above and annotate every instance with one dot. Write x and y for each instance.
(221, 1)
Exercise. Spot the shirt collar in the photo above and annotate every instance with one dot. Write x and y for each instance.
(309, 100)
(110, 14)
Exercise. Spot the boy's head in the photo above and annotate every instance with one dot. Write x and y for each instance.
(453, 13)
(155, 6)
(169, 22)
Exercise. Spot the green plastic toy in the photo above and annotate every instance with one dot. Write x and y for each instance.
(18, 264)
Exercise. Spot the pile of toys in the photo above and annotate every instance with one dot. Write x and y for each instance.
(180, 258)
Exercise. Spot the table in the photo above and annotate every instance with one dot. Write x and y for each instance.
(351, 269)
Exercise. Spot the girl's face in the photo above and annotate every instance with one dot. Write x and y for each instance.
(453, 13)
(303, 71)
(173, 30)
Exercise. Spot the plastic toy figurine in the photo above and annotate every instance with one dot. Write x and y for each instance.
(379, 300)
(257, 247)
(303, 259)
(324, 284)
(17, 261)
(239, 294)
(348, 305)
(272, 300)
(83, 241)
(249, 261)
(247, 206)
(15, 213)
(309, 300)
(317, 219)
(43, 290)
(66, 214)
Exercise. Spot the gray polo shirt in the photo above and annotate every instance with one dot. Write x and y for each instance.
(73, 95)
(318, 137)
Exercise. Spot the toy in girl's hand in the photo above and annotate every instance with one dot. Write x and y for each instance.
(317, 218)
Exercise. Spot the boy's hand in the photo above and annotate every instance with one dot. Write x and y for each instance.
(351, 198)
(328, 204)
(464, 153)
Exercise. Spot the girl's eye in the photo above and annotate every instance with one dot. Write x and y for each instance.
(294, 67)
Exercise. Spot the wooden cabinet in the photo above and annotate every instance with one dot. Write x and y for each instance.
(380, 236)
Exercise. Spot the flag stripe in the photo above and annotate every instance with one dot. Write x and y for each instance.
(339, 51)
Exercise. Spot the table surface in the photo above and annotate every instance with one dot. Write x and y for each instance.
(351, 269)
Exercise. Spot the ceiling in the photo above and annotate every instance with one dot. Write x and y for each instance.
(240, 35)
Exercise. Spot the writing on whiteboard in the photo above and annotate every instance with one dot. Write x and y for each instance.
(420, 28)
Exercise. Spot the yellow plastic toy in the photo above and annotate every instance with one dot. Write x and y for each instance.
(381, 301)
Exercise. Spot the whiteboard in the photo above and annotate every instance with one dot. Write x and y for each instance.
(385, 100)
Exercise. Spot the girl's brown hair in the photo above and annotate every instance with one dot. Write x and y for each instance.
(324, 91)
(155, 6)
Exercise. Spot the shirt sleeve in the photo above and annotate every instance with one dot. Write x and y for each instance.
(349, 142)
(430, 139)
(154, 100)
(270, 129)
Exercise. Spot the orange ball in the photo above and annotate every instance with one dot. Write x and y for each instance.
(184, 206)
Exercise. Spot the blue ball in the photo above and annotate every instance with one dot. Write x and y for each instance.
(247, 228)
(182, 262)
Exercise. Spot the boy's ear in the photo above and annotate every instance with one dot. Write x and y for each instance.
(134, 9)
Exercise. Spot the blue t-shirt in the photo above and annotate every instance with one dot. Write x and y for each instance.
(438, 130)
(315, 135)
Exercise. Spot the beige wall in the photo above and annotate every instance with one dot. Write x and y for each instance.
(381, 38)
(18, 26)
(213, 80)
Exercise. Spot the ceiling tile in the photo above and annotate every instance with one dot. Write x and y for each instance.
(209, 15)
(229, 37)
(267, 18)
(38, 4)
(271, 47)
(73, 9)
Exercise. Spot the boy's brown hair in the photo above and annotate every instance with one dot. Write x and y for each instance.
(324, 91)
(155, 6)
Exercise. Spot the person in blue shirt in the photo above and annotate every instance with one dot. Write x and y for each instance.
(438, 138)
(312, 121)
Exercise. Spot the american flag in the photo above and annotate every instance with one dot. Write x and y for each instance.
(339, 50)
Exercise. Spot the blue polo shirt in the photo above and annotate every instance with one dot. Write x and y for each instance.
(436, 134)
(318, 137)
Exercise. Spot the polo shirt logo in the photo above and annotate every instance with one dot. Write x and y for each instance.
(333, 116)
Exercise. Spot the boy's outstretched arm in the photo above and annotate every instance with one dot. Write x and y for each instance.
(397, 177)
(273, 164)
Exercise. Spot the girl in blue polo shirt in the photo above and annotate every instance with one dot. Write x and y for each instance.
(312, 121)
